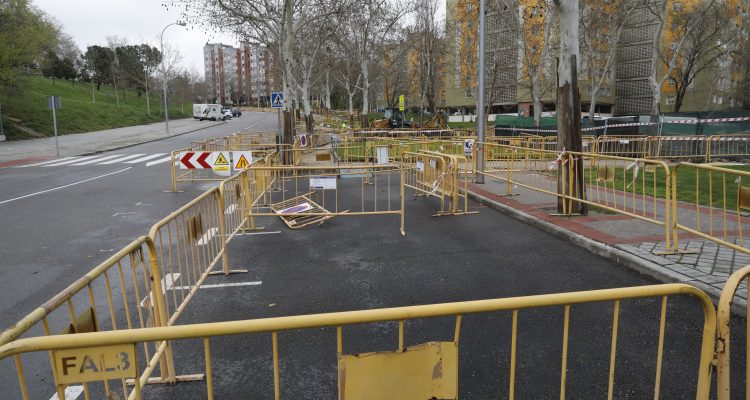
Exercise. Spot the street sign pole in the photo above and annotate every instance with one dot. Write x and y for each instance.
(53, 103)
(277, 102)
(57, 140)
(2, 134)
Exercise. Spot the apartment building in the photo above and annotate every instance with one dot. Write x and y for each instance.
(237, 75)
(516, 40)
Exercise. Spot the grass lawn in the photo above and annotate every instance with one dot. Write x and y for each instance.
(27, 108)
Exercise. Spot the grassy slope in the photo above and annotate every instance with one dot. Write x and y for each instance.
(28, 108)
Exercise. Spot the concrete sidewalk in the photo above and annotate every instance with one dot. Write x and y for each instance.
(626, 240)
(26, 151)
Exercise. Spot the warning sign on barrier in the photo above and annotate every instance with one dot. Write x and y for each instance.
(303, 140)
(420, 166)
(195, 160)
(221, 162)
(241, 159)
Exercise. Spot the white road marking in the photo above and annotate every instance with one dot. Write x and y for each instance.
(45, 162)
(71, 393)
(64, 186)
(208, 236)
(162, 160)
(107, 251)
(121, 159)
(142, 204)
(166, 284)
(230, 209)
(142, 159)
(257, 233)
(125, 213)
(221, 285)
(96, 160)
(75, 159)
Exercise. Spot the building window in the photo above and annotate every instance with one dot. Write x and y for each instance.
(670, 100)
(469, 7)
(677, 6)
(671, 82)
(467, 93)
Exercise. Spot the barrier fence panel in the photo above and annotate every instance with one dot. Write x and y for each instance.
(303, 195)
(728, 147)
(409, 371)
(189, 244)
(712, 202)
(678, 147)
(739, 280)
(439, 175)
(639, 188)
(117, 295)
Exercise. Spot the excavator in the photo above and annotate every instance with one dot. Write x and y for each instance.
(394, 120)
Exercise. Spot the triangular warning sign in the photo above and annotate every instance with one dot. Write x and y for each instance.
(242, 163)
(221, 160)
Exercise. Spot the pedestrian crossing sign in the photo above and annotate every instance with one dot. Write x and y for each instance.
(277, 99)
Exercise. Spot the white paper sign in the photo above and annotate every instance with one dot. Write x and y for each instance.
(433, 163)
(382, 155)
(322, 183)
(420, 166)
(468, 146)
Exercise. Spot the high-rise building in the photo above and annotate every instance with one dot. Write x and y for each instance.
(237, 75)
(516, 40)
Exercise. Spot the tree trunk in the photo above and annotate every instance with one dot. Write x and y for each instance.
(569, 112)
(592, 107)
(363, 120)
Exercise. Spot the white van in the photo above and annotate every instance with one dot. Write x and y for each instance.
(207, 111)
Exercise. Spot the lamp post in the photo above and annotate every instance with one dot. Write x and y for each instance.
(164, 71)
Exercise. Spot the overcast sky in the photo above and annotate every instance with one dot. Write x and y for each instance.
(91, 21)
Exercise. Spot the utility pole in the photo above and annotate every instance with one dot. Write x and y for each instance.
(569, 111)
(164, 71)
(481, 118)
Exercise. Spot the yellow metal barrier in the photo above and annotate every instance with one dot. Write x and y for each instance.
(639, 188)
(723, 336)
(120, 294)
(709, 203)
(344, 190)
(384, 374)
(735, 147)
(438, 175)
(190, 242)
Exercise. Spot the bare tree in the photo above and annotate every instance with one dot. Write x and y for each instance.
(373, 26)
(683, 19)
(429, 32)
(601, 25)
(706, 48)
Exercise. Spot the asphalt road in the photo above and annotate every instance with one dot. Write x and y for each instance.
(51, 238)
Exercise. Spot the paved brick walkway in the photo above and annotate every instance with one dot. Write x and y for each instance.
(702, 263)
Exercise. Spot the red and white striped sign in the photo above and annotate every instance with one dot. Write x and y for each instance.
(196, 160)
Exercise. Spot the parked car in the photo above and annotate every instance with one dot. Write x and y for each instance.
(227, 114)
(236, 112)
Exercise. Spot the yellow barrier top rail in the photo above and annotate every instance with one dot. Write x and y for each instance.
(81, 340)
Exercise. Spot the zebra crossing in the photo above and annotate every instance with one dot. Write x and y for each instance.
(147, 159)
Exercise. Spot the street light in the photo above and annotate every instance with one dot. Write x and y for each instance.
(164, 71)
